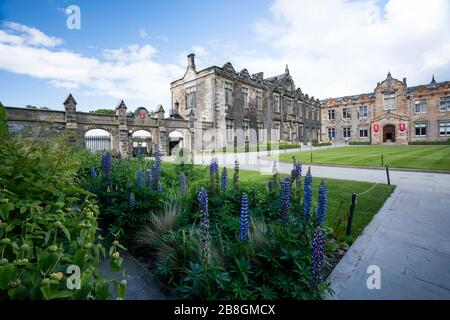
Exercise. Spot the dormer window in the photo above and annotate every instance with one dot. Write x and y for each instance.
(389, 101)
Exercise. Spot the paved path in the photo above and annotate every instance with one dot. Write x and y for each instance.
(409, 238)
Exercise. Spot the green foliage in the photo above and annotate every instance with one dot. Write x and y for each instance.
(47, 223)
(104, 111)
(3, 124)
(359, 143)
(430, 143)
(316, 143)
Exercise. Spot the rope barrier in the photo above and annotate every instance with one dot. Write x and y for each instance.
(358, 194)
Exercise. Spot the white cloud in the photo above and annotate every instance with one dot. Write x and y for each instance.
(337, 47)
(131, 73)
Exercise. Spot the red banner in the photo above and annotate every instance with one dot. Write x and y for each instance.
(376, 128)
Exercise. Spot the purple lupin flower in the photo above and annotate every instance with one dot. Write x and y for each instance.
(183, 183)
(236, 175)
(214, 173)
(132, 201)
(139, 178)
(285, 199)
(148, 178)
(270, 185)
(156, 169)
(317, 252)
(224, 182)
(204, 223)
(298, 174)
(307, 196)
(322, 206)
(92, 172)
(244, 219)
(106, 163)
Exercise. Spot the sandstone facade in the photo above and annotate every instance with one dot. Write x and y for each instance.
(392, 113)
(244, 108)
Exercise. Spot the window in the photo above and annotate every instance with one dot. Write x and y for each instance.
(363, 112)
(363, 133)
(190, 97)
(331, 114)
(420, 106)
(331, 133)
(444, 128)
(276, 134)
(276, 100)
(230, 129)
(258, 100)
(389, 101)
(421, 129)
(245, 127)
(444, 104)
(228, 93)
(346, 132)
(245, 97)
(346, 113)
(260, 127)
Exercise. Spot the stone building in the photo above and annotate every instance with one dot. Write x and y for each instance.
(392, 113)
(239, 107)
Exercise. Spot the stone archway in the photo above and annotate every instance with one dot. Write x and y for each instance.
(176, 142)
(389, 133)
(141, 142)
(97, 139)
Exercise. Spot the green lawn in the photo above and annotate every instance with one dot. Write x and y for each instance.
(403, 156)
(339, 196)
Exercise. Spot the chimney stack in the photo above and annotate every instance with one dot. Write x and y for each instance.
(191, 61)
(404, 81)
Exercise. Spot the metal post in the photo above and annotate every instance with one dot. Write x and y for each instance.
(382, 159)
(387, 175)
(352, 211)
(311, 158)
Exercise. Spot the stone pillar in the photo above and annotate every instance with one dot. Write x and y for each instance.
(163, 138)
(70, 106)
(123, 143)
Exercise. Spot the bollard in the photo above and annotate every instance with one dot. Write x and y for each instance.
(387, 175)
(352, 211)
(311, 158)
(382, 160)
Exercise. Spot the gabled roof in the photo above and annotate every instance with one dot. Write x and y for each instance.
(70, 99)
(159, 108)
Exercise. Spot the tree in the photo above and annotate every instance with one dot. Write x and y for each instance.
(104, 111)
(3, 124)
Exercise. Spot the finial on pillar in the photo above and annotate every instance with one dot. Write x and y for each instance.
(70, 100)
(286, 71)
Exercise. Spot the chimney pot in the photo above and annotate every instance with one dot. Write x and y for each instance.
(191, 61)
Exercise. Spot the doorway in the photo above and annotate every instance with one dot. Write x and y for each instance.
(389, 133)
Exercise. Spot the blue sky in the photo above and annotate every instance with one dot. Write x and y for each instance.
(133, 49)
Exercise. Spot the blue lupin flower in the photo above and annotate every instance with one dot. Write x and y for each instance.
(148, 178)
(214, 173)
(298, 173)
(285, 199)
(307, 196)
(224, 178)
(92, 172)
(317, 252)
(204, 222)
(322, 206)
(139, 178)
(183, 183)
(132, 201)
(156, 169)
(106, 163)
(270, 185)
(244, 218)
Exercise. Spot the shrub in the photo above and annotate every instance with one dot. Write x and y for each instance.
(442, 142)
(3, 124)
(320, 144)
(48, 224)
(359, 143)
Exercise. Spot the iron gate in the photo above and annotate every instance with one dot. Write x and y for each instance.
(98, 143)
